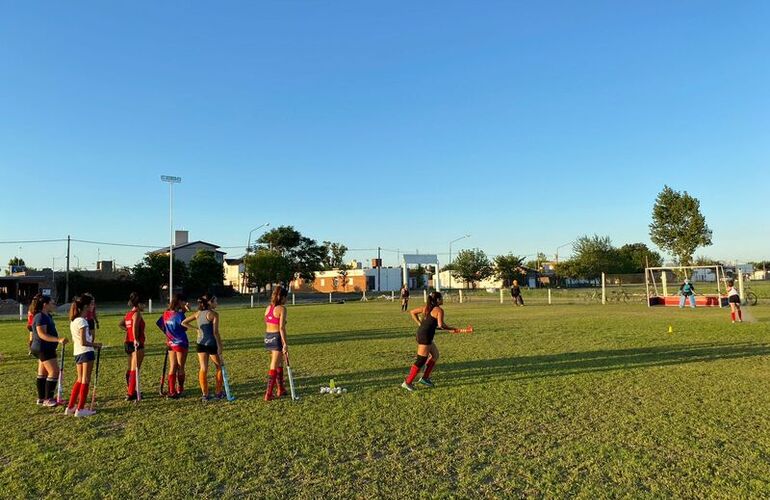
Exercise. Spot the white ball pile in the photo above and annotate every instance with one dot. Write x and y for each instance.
(336, 390)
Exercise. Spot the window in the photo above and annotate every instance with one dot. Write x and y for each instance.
(323, 282)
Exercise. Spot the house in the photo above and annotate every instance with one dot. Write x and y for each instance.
(356, 279)
(21, 287)
(234, 274)
(184, 249)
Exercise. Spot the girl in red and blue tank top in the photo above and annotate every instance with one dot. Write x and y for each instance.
(133, 324)
(275, 341)
(176, 340)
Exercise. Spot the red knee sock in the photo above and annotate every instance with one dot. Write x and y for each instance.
(428, 368)
(271, 376)
(732, 315)
(132, 383)
(279, 378)
(74, 395)
(172, 384)
(83, 396)
(412, 374)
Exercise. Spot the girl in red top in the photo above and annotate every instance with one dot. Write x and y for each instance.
(133, 324)
(31, 320)
(275, 340)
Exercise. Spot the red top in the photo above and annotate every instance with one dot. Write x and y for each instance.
(134, 331)
(90, 314)
(30, 318)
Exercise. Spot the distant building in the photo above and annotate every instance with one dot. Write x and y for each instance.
(234, 274)
(184, 249)
(21, 287)
(357, 279)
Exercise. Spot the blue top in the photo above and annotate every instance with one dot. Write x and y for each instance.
(206, 330)
(171, 324)
(38, 344)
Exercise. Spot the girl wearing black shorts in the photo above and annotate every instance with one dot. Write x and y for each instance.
(734, 299)
(134, 326)
(45, 340)
(427, 352)
(209, 344)
(275, 341)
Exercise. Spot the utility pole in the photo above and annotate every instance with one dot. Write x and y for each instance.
(171, 180)
(67, 275)
(379, 266)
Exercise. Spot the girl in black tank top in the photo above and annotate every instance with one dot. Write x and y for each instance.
(427, 352)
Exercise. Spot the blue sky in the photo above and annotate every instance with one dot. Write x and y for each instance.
(401, 125)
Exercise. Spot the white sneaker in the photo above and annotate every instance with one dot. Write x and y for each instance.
(85, 412)
(40, 402)
(69, 411)
(50, 403)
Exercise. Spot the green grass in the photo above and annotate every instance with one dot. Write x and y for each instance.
(567, 400)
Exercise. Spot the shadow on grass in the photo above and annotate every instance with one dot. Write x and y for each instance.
(552, 365)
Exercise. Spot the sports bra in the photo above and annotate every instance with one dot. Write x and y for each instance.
(271, 318)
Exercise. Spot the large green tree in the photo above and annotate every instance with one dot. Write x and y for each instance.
(592, 255)
(151, 274)
(266, 267)
(635, 257)
(472, 266)
(678, 227)
(509, 267)
(16, 261)
(305, 255)
(334, 257)
(205, 272)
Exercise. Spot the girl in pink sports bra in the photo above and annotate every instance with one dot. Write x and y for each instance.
(275, 341)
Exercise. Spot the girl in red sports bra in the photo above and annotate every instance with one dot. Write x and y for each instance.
(275, 341)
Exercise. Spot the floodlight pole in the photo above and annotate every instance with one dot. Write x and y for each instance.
(171, 180)
(248, 248)
(450, 256)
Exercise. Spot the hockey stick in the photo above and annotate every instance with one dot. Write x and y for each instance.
(294, 396)
(60, 383)
(163, 375)
(226, 381)
(138, 386)
(96, 379)
(468, 329)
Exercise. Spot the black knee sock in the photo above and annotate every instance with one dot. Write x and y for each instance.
(40, 387)
(50, 387)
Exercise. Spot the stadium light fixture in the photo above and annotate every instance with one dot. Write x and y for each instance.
(450, 255)
(171, 180)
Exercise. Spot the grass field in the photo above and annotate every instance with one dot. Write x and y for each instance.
(567, 400)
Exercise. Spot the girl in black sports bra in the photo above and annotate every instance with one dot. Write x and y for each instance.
(427, 352)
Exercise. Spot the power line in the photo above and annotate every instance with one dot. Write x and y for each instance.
(59, 240)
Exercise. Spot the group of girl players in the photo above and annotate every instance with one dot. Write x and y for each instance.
(174, 323)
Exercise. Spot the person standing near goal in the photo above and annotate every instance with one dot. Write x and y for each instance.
(734, 299)
(404, 297)
(209, 344)
(83, 349)
(516, 294)
(275, 341)
(176, 340)
(133, 344)
(427, 352)
(687, 292)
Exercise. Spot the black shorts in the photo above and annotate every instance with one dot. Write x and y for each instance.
(425, 338)
(86, 357)
(273, 342)
(45, 354)
(91, 324)
(207, 349)
(734, 299)
(129, 347)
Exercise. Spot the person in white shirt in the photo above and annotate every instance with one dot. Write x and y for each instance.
(84, 345)
(734, 299)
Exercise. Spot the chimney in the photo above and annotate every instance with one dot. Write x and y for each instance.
(181, 238)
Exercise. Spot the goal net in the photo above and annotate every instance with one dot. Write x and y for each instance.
(706, 286)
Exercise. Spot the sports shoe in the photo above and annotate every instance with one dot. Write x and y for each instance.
(206, 398)
(69, 411)
(173, 395)
(85, 412)
(130, 397)
(426, 381)
(50, 403)
(39, 402)
(408, 387)
(220, 395)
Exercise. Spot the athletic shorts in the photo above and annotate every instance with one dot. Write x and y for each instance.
(207, 349)
(273, 342)
(734, 299)
(91, 325)
(86, 357)
(425, 338)
(129, 347)
(179, 348)
(45, 354)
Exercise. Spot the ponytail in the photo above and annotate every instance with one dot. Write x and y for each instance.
(80, 304)
(433, 299)
(279, 293)
(38, 302)
(204, 302)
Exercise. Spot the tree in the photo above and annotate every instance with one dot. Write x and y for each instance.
(702, 260)
(266, 267)
(335, 255)
(635, 257)
(205, 272)
(678, 226)
(472, 266)
(151, 274)
(592, 255)
(537, 264)
(16, 261)
(509, 267)
(305, 255)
